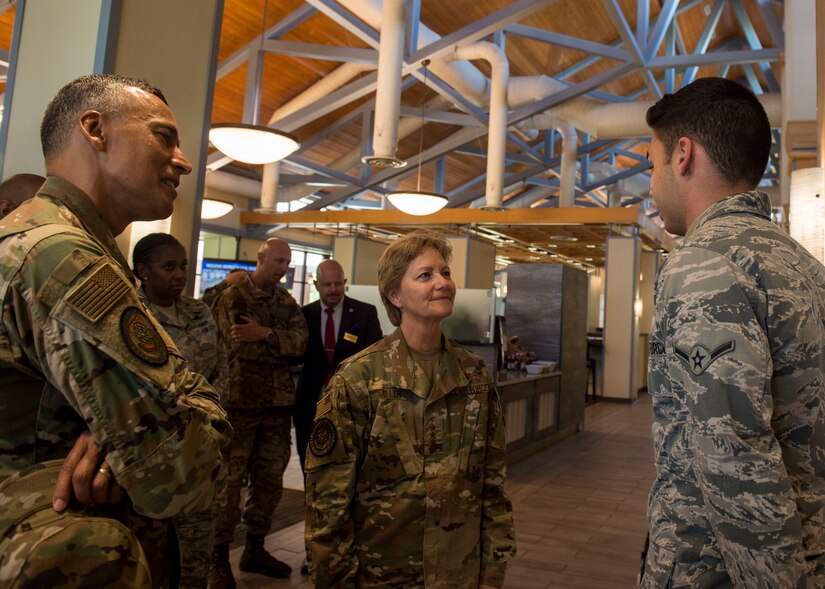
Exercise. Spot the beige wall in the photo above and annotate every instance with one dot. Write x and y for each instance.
(180, 60)
(71, 29)
(248, 249)
(474, 262)
(359, 258)
(220, 247)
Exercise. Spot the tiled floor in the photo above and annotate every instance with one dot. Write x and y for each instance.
(579, 508)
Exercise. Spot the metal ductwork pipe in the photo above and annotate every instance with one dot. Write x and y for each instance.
(569, 147)
(232, 183)
(269, 187)
(388, 94)
(325, 86)
(606, 121)
(497, 128)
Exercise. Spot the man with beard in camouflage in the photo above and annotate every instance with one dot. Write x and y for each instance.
(737, 355)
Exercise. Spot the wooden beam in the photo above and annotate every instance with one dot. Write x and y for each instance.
(540, 216)
(655, 233)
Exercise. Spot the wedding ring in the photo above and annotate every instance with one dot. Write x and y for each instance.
(104, 471)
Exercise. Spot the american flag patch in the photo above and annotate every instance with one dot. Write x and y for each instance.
(98, 293)
(323, 407)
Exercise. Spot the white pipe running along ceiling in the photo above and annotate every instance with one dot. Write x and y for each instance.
(388, 94)
(497, 126)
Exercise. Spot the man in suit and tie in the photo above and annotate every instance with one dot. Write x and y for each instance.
(338, 328)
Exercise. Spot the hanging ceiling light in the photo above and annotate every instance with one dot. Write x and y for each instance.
(212, 208)
(253, 143)
(417, 202)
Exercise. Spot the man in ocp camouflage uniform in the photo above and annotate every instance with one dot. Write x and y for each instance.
(86, 374)
(263, 327)
(737, 360)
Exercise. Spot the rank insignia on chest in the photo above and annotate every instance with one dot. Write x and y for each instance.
(323, 437)
(142, 338)
(700, 358)
(98, 293)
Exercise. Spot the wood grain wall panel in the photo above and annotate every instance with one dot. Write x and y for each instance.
(534, 307)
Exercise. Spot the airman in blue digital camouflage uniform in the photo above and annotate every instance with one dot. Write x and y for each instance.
(737, 360)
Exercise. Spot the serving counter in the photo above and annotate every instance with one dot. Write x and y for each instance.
(532, 413)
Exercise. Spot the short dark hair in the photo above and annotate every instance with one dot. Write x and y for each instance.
(394, 261)
(146, 248)
(105, 93)
(725, 118)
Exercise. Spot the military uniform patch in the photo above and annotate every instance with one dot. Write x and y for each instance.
(142, 337)
(323, 406)
(323, 437)
(699, 358)
(98, 293)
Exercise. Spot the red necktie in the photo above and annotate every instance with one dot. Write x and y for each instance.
(329, 334)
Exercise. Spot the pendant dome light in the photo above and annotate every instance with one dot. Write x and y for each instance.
(253, 143)
(416, 202)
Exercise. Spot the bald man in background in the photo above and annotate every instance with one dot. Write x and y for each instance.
(264, 327)
(17, 189)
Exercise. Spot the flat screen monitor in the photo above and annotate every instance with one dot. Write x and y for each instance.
(213, 271)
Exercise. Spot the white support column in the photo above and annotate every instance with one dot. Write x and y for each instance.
(621, 325)
(799, 81)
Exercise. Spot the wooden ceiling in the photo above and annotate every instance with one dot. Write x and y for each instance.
(693, 28)
(567, 40)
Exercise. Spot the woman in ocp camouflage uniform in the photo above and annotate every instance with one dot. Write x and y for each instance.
(160, 261)
(406, 460)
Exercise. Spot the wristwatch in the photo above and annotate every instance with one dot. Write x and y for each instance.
(271, 337)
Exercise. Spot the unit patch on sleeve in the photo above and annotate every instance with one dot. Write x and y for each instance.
(142, 337)
(699, 358)
(323, 437)
(98, 293)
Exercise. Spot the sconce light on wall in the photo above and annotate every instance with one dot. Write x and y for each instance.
(807, 214)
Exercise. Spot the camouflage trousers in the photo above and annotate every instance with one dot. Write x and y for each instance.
(107, 546)
(196, 535)
(259, 450)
